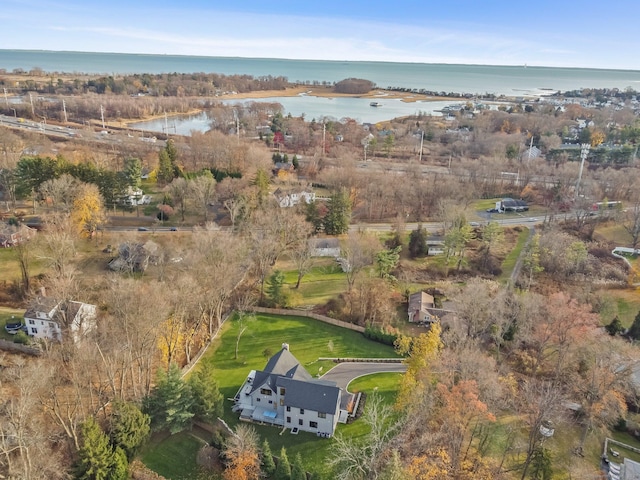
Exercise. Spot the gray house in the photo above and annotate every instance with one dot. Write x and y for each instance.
(286, 395)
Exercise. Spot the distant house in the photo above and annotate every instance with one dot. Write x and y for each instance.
(12, 235)
(282, 169)
(419, 305)
(134, 257)
(51, 319)
(324, 247)
(291, 198)
(530, 153)
(286, 395)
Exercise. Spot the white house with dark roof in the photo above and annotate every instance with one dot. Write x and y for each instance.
(286, 395)
(50, 319)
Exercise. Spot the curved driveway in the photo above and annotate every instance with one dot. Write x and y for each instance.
(345, 372)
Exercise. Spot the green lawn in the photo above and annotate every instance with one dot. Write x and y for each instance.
(308, 340)
(509, 262)
(384, 384)
(324, 281)
(174, 457)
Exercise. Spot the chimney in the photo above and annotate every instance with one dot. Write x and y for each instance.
(285, 346)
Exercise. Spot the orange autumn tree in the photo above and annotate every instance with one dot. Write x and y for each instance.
(242, 454)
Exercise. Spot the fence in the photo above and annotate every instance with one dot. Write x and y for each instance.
(315, 316)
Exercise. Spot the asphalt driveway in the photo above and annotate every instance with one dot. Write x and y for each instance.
(345, 372)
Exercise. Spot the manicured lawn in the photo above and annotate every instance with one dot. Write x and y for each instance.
(324, 281)
(308, 340)
(174, 457)
(383, 384)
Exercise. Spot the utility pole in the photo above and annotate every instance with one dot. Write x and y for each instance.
(324, 134)
(584, 151)
(64, 111)
(102, 116)
(421, 144)
(530, 147)
(6, 100)
(33, 113)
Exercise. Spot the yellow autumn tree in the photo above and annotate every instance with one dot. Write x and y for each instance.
(171, 340)
(88, 210)
(597, 137)
(420, 352)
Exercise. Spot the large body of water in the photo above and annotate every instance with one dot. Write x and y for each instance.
(473, 79)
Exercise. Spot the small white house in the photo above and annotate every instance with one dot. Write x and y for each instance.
(292, 198)
(51, 319)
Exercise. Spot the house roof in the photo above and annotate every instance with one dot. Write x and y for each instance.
(41, 304)
(316, 395)
(282, 364)
(420, 301)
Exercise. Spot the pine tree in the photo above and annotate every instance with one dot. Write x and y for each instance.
(165, 169)
(207, 398)
(615, 327)
(97, 460)
(634, 329)
(275, 291)
(170, 404)
(268, 465)
(336, 222)
(129, 427)
(283, 470)
(297, 470)
(418, 243)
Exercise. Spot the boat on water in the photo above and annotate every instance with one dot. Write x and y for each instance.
(375, 104)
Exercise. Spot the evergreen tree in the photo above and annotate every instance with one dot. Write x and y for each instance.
(275, 286)
(129, 427)
(97, 460)
(336, 222)
(262, 183)
(313, 216)
(418, 243)
(170, 404)
(387, 260)
(283, 470)
(165, 169)
(133, 171)
(634, 329)
(297, 470)
(295, 162)
(615, 327)
(267, 463)
(208, 400)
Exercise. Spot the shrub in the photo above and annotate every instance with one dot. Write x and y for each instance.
(379, 335)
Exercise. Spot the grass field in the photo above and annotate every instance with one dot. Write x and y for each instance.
(308, 340)
(509, 262)
(174, 456)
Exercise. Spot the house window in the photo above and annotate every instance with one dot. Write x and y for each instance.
(288, 419)
(288, 408)
(300, 422)
(302, 411)
(282, 391)
(281, 401)
(31, 322)
(34, 330)
(313, 424)
(271, 401)
(257, 399)
(322, 415)
(265, 391)
(51, 324)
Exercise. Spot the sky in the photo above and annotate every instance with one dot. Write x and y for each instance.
(558, 33)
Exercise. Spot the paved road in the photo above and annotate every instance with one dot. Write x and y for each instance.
(344, 373)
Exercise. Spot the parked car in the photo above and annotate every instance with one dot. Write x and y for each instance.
(143, 229)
